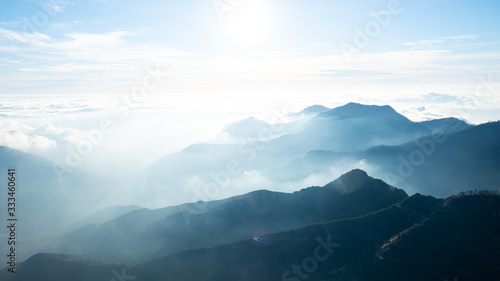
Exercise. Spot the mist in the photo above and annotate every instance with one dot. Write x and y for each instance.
(92, 160)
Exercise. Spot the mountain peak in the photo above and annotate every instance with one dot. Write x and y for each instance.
(310, 110)
(249, 127)
(353, 109)
(445, 125)
(248, 121)
(353, 179)
(314, 109)
(355, 173)
(251, 119)
(359, 182)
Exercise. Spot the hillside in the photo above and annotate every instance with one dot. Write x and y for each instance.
(421, 238)
(152, 234)
(444, 164)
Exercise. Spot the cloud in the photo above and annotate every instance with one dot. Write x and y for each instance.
(23, 135)
(29, 143)
(473, 108)
(110, 61)
(439, 98)
(72, 68)
(58, 6)
(25, 106)
(12, 37)
(92, 40)
(457, 37)
(69, 134)
(440, 41)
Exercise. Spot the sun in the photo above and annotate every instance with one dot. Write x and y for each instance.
(249, 23)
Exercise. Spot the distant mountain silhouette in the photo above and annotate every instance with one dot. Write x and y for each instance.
(151, 234)
(419, 238)
(249, 128)
(351, 128)
(442, 165)
(252, 127)
(172, 174)
(313, 162)
(49, 198)
(309, 111)
(104, 215)
(445, 125)
(365, 228)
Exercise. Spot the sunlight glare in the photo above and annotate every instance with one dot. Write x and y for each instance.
(249, 23)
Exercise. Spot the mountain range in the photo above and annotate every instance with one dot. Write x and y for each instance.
(212, 205)
(51, 198)
(347, 134)
(439, 164)
(407, 238)
(228, 220)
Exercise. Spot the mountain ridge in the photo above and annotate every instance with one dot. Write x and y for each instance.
(232, 219)
(370, 247)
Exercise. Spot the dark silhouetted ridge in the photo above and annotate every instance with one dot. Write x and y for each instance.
(353, 194)
(420, 238)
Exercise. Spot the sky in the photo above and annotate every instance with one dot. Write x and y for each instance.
(171, 73)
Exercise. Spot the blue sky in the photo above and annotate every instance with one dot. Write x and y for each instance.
(261, 45)
(66, 63)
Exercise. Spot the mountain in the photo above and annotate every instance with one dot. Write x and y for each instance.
(183, 173)
(442, 164)
(309, 111)
(350, 128)
(445, 125)
(315, 162)
(396, 243)
(57, 267)
(347, 129)
(104, 215)
(420, 238)
(461, 236)
(248, 128)
(49, 198)
(229, 220)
